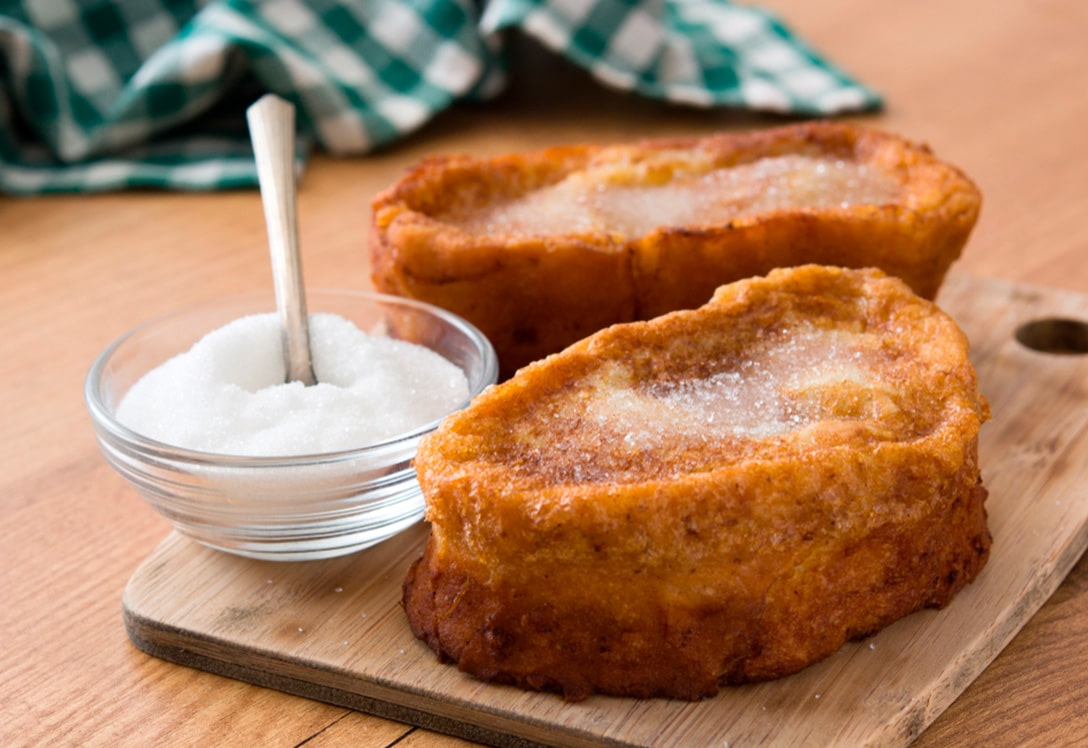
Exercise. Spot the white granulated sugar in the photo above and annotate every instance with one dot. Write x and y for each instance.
(776, 391)
(722, 195)
(725, 405)
(594, 200)
(227, 394)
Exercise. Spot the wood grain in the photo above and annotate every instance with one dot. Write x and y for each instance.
(993, 87)
(334, 630)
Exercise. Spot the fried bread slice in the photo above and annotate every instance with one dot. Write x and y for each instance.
(715, 496)
(541, 249)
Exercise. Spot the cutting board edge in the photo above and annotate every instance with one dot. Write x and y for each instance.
(999, 635)
(150, 636)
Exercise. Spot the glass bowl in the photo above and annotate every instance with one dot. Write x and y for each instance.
(278, 508)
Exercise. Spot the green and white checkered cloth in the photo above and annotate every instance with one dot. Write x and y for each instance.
(112, 94)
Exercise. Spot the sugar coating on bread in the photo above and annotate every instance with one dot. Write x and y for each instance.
(716, 496)
(614, 197)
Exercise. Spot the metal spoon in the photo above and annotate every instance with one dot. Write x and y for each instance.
(272, 131)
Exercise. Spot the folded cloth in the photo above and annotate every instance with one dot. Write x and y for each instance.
(111, 94)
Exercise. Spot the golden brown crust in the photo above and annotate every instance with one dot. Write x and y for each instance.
(533, 294)
(566, 557)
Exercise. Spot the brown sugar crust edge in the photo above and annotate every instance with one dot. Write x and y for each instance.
(747, 571)
(534, 295)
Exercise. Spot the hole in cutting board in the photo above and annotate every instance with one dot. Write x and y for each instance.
(1054, 335)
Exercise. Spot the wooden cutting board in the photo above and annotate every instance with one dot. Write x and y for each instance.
(334, 630)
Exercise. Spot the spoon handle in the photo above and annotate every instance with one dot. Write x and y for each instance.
(272, 130)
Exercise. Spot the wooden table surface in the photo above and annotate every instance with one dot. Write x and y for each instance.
(1000, 89)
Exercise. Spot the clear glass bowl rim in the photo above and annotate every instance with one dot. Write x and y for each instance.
(103, 417)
